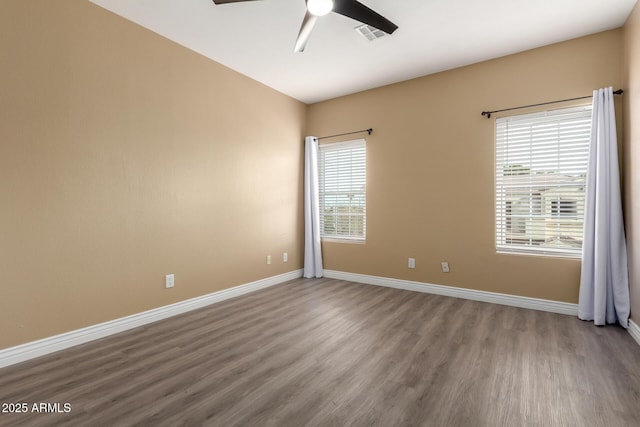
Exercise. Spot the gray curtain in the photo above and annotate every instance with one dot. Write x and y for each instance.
(604, 281)
(312, 246)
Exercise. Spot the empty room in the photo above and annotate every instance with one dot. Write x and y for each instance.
(320, 213)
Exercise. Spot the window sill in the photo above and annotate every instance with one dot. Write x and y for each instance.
(339, 240)
(541, 254)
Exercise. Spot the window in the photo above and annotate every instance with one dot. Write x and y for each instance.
(541, 167)
(342, 170)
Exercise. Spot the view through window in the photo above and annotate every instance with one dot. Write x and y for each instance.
(540, 175)
(342, 170)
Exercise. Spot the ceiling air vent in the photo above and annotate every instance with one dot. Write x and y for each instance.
(369, 32)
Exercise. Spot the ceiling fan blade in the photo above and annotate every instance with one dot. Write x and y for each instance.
(356, 10)
(308, 23)
(229, 1)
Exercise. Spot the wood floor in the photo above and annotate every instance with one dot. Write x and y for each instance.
(333, 353)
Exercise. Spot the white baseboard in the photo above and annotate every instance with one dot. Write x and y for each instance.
(450, 291)
(634, 331)
(21, 353)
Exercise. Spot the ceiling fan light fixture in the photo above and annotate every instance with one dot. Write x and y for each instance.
(319, 7)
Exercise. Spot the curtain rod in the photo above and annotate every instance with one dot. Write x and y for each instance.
(343, 134)
(488, 113)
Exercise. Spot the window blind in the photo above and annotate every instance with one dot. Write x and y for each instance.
(540, 176)
(342, 190)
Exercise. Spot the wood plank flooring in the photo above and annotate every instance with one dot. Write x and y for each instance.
(332, 353)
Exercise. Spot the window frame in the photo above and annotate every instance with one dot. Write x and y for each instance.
(323, 194)
(507, 221)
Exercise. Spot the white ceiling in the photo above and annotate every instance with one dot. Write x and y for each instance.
(256, 38)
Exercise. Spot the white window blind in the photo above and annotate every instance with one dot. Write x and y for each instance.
(541, 167)
(342, 170)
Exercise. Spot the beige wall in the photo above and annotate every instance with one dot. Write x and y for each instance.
(631, 149)
(125, 157)
(430, 167)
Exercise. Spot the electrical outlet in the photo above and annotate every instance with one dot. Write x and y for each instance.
(445, 266)
(268, 259)
(169, 281)
(412, 263)
(285, 257)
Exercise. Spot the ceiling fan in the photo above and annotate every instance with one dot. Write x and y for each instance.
(350, 8)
